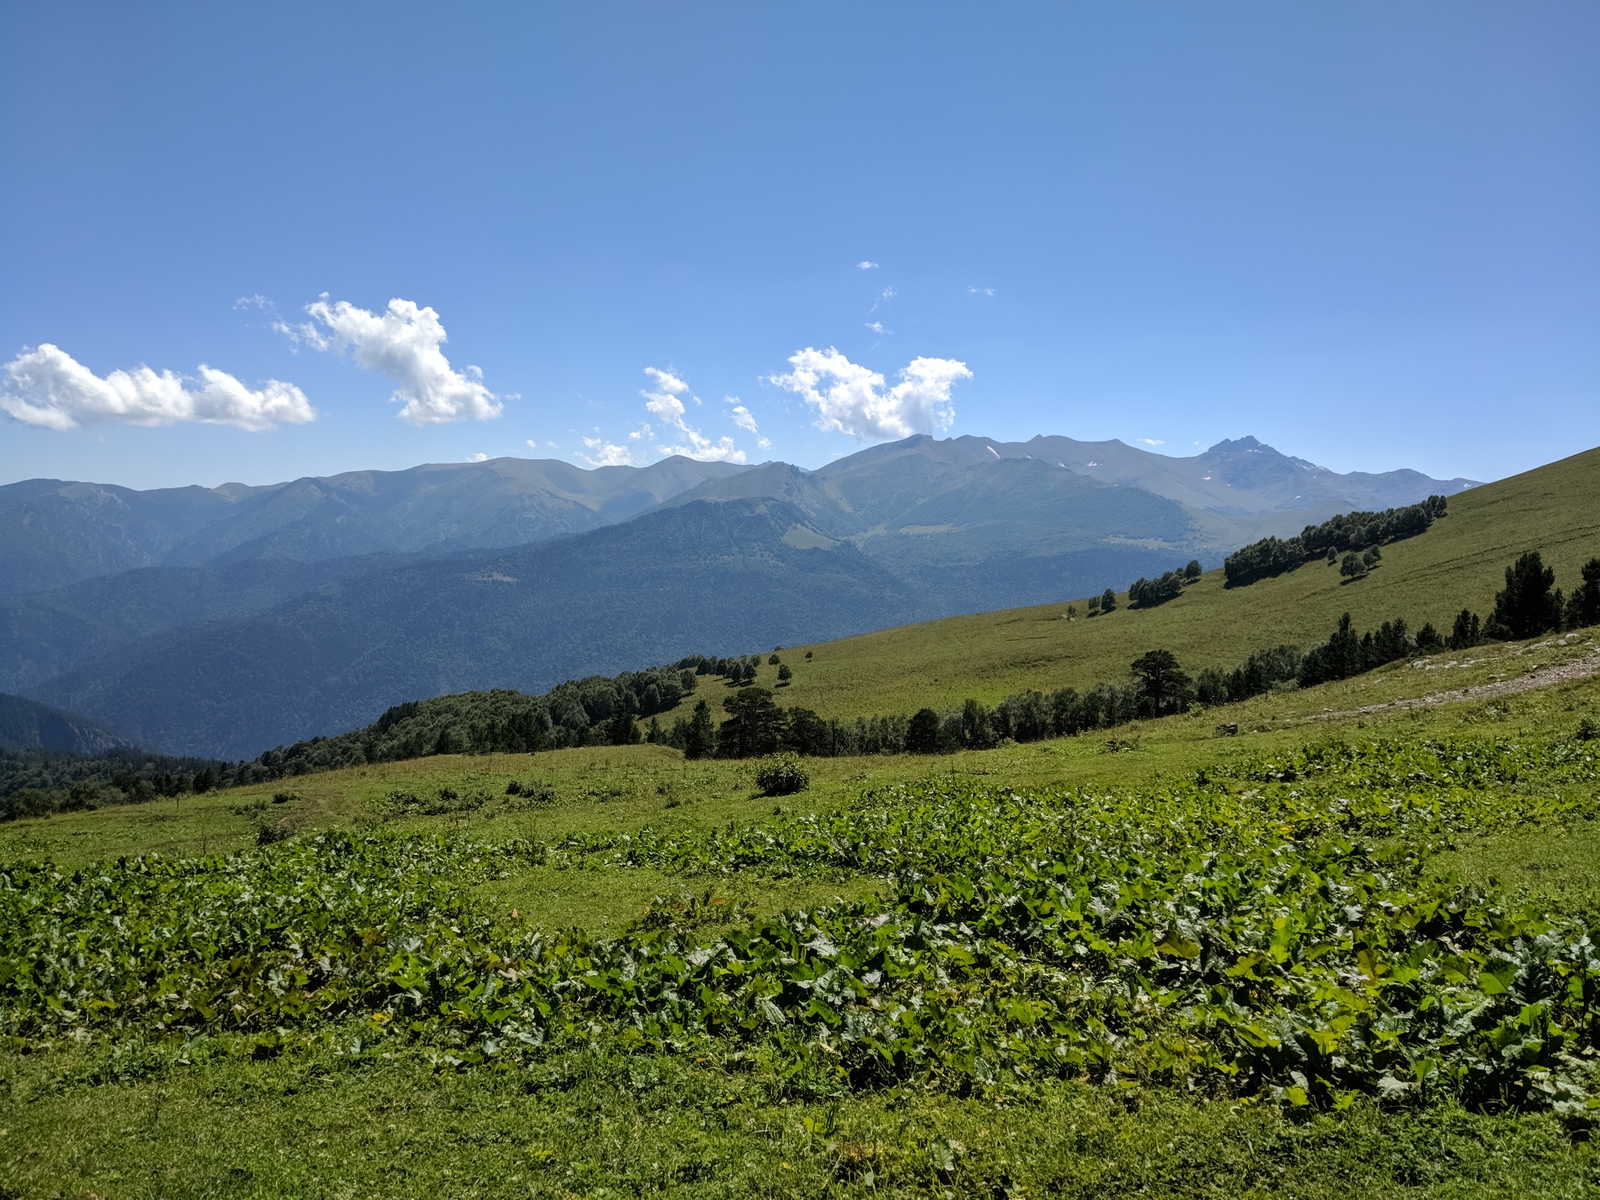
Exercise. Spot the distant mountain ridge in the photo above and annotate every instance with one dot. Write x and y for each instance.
(54, 533)
(28, 725)
(250, 616)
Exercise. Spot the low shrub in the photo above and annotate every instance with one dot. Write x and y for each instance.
(782, 775)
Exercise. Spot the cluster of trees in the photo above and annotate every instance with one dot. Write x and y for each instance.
(1147, 593)
(1346, 532)
(756, 725)
(1530, 604)
(581, 712)
(1260, 673)
(1346, 653)
(35, 783)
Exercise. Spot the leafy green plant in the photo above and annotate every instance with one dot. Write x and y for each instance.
(782, 775)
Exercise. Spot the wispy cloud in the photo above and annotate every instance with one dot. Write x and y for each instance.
(981, 291)
(744, 419)
(866, 264)
(664, 401)
(403, 343)
(855, 399)
(1152, 441)
(49, 388)
(480, 456)
(877, 328)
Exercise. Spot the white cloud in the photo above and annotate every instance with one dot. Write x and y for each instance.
(742, 417)
(745, 419)
(664, 404)
(877, 328)
(480, 456)
(1152, 441)
(663, 401)
(981, 291)
(46, 386)
(606, 454)
(703, 448)
(403, 343)
(866, 265)
(533, 444)
(853, 399)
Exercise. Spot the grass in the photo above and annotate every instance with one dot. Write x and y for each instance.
(1459, 562)
(142, 1115)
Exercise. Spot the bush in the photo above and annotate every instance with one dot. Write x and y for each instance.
(286, 797)
(782, 775)
(268, 832)
(532, 793)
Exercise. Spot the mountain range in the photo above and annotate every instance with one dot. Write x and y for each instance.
(222, 621)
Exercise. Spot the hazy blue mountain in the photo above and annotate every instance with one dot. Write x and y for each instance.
(54, 533)
(28, 725)
(44, 635)
(1233, 493)
(269, 614)
(712, 578)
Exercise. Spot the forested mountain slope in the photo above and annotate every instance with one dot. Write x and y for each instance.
(28, 725)
(685, 580)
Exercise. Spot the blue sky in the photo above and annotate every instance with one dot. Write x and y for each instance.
(1365, 233)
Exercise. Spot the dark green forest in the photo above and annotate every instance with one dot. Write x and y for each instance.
(1346, 532)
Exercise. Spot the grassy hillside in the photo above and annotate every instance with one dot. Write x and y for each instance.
(1459, 562)
(306, 1088)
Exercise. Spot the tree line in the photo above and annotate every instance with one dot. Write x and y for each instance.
(756, 725)
(598, 710)
(1345, 533)
(35, 782)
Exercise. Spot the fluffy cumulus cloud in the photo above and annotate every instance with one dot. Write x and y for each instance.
(664, 400)
(46, 386)
(856, 400)
(403, 342)
(606, 454)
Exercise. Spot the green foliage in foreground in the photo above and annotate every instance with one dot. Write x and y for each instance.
(1273, 933)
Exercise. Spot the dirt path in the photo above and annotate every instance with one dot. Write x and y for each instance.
(1581, 668)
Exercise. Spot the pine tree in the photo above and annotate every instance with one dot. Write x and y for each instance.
(1108, 601)
(1162, 682)
(1583, 609)
(1526, 607)
(922, 735)
(1464, 633)
(700, 739)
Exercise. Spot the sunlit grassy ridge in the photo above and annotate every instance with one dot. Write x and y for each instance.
(1459, 562)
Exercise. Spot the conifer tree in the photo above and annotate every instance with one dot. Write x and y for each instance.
(700, 739)
(1584, 608)
(1526, 606)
